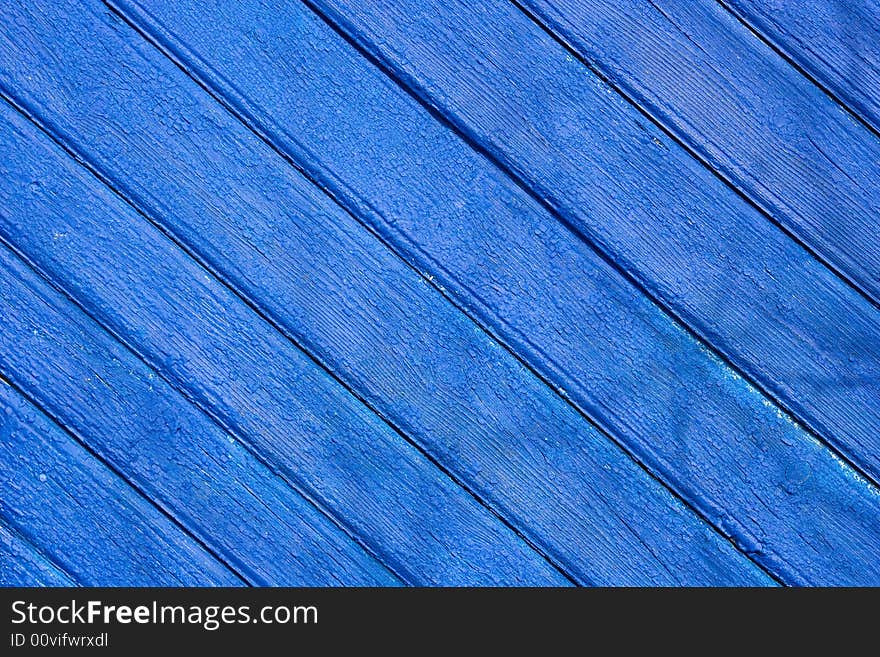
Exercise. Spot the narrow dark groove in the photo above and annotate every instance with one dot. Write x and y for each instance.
(266, 315)
(791, 61)
(25, 536)
(254, 126)
(473, 141)
(185, 393)
(73, 434)
(296, 486)
(215, 419)
(683, 141)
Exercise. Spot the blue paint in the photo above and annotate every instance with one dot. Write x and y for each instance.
(745, 112)
(509, 263)
(350, 349)
(835, 42)
(122, 411)
(665, 221)
(21, 564)
(313, 434)
(97, 528)
(375, 323)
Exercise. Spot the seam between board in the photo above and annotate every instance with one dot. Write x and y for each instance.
(185, 394)
(25, 536)
(244, 116)
(189, 399)
(74, 435)
(399, 78)
(802, 69)
(627, 94)
(266, 316)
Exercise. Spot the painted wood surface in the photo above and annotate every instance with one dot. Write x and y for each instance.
(336, 289)
(683, 237)
(540, 289)
(122, 411)
(23, 565)
(311, 423)
(836, 43)
(96, 527)
(746, 113)
(406, 293)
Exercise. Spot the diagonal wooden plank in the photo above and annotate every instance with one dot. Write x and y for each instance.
(397, 342)
(836, 43)
(318, 434)
(744, 112)
(21, 564)
(171, 452)
(83, 516)
(322, 430)
(677, 232)
(498, 254)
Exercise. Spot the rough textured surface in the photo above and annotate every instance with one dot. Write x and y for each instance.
(434, 315)
(678, 232)
(309, 428)
(71, 506)
(376, 323)
(720, 443)
(122, 411)
(749, 115)
(835, 42)
(21, 564)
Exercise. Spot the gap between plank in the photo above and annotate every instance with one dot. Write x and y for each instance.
(266, 317)
(790, 60)
(73, 435)
(400, 78)
(237, 107)
(6, 524)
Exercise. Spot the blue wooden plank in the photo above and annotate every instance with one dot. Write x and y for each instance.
(337, 290)
(78, 511)
(836, 43)
(122, 411)
(666, 222)
(499, 254)
(744, 112)
(21, 564)
(263, 389)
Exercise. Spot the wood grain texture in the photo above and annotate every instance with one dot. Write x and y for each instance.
(21, 564)
(508, 262)
(745, 113)
(267, 395)
(318, 275)
(689, 241)
(97, 528)
(835, 42)
(125, 413)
